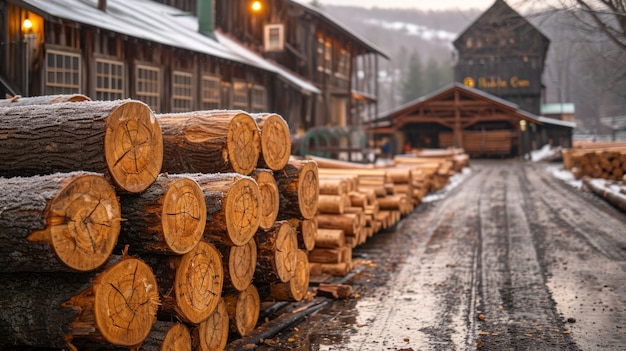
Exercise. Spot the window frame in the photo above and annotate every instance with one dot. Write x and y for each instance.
(179, 87)
(56, 88)
(270, 45)
(110, 77)
(206, 97)
(148, 95)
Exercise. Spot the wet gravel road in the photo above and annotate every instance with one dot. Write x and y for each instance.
(510, 259)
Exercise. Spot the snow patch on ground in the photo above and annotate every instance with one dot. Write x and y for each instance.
(455, 180)
(566, 176)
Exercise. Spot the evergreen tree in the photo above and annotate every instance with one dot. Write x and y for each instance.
(413, 86)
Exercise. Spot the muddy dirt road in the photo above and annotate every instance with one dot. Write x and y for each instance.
(511, 259)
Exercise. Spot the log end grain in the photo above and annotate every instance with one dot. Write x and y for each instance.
(243, 310)
(212, 333)
(184, 215)
(270, 198)
(241, 264)
(308, 189)
(242, 210)
(199, 281)
(133, 147)
(243, 143)
(297, 287)
(82, 222)
(275, 141)
(178, 338)
(277, 253)
(126, 302)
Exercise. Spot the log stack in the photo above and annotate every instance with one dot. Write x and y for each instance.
(596, 160)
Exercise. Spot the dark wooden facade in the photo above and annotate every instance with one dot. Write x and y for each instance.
(156, 54)
(503, 54)
(482, 124)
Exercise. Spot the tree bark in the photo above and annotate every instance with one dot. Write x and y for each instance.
(348, 222)
(167, 336)
(53, 310)
(118, 138)
(210, 142)
(277, 253)
(212, 333)
(298, 185)
(233, 211)
(270, 198)
(243, 309)
(275, 141)
(42, 100)
(297, 287)
(330, 238)
(168, 218)
(239, 264)
(191, 284)
(58, 222)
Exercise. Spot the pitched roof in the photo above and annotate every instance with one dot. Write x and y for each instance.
(155, 22)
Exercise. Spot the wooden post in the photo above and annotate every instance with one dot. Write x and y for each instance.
(118, 138)
(210, 142)
(168, 218)
(59, 222)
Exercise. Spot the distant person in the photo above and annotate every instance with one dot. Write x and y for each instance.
(386, 149)
(407, 148)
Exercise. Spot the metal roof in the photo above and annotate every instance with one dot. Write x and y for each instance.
(155, 22)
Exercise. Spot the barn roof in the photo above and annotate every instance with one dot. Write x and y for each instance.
(338, 25)
(158, 23)
(386, 119)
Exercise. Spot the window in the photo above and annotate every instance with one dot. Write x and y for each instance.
(148, 85)
(62, 72)
(109, 80)
(182, 88)
(226, 97)
(240, 95)
(259, 99)
(343, 67)
(320, 54)
(210, 93)
(274, 37)
(328, 56)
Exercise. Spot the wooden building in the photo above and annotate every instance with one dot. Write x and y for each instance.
(482, 124)
(177, 56)
(503, 54)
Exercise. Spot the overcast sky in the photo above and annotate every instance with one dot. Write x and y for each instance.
(416, 4)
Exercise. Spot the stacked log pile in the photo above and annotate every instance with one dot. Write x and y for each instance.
(83, 181)
(356, 201)
(596, 160)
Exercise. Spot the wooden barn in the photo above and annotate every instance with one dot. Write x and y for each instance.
(482, 124)
(503, 54)
(182, 55)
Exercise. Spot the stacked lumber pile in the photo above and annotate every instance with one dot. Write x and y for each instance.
(605, 160)
(122, 228)
(357, 201)
(488, 142)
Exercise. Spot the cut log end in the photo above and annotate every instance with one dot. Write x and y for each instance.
(308, 233)
(275, 141)
(133, 147)
(212, 333)
(308, 184)
(243, 310)
(242, 211)
(241, 264)
(269, 197)
(199, 281)
(184, 215)
(297, 287)
(178, 338)
(83, 222)
(126, 302)
(244, 143)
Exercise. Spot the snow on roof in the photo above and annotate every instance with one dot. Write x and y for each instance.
(557, 108)
(558, 122)
(152, 21)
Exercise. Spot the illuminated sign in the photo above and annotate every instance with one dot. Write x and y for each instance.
(496, 82)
